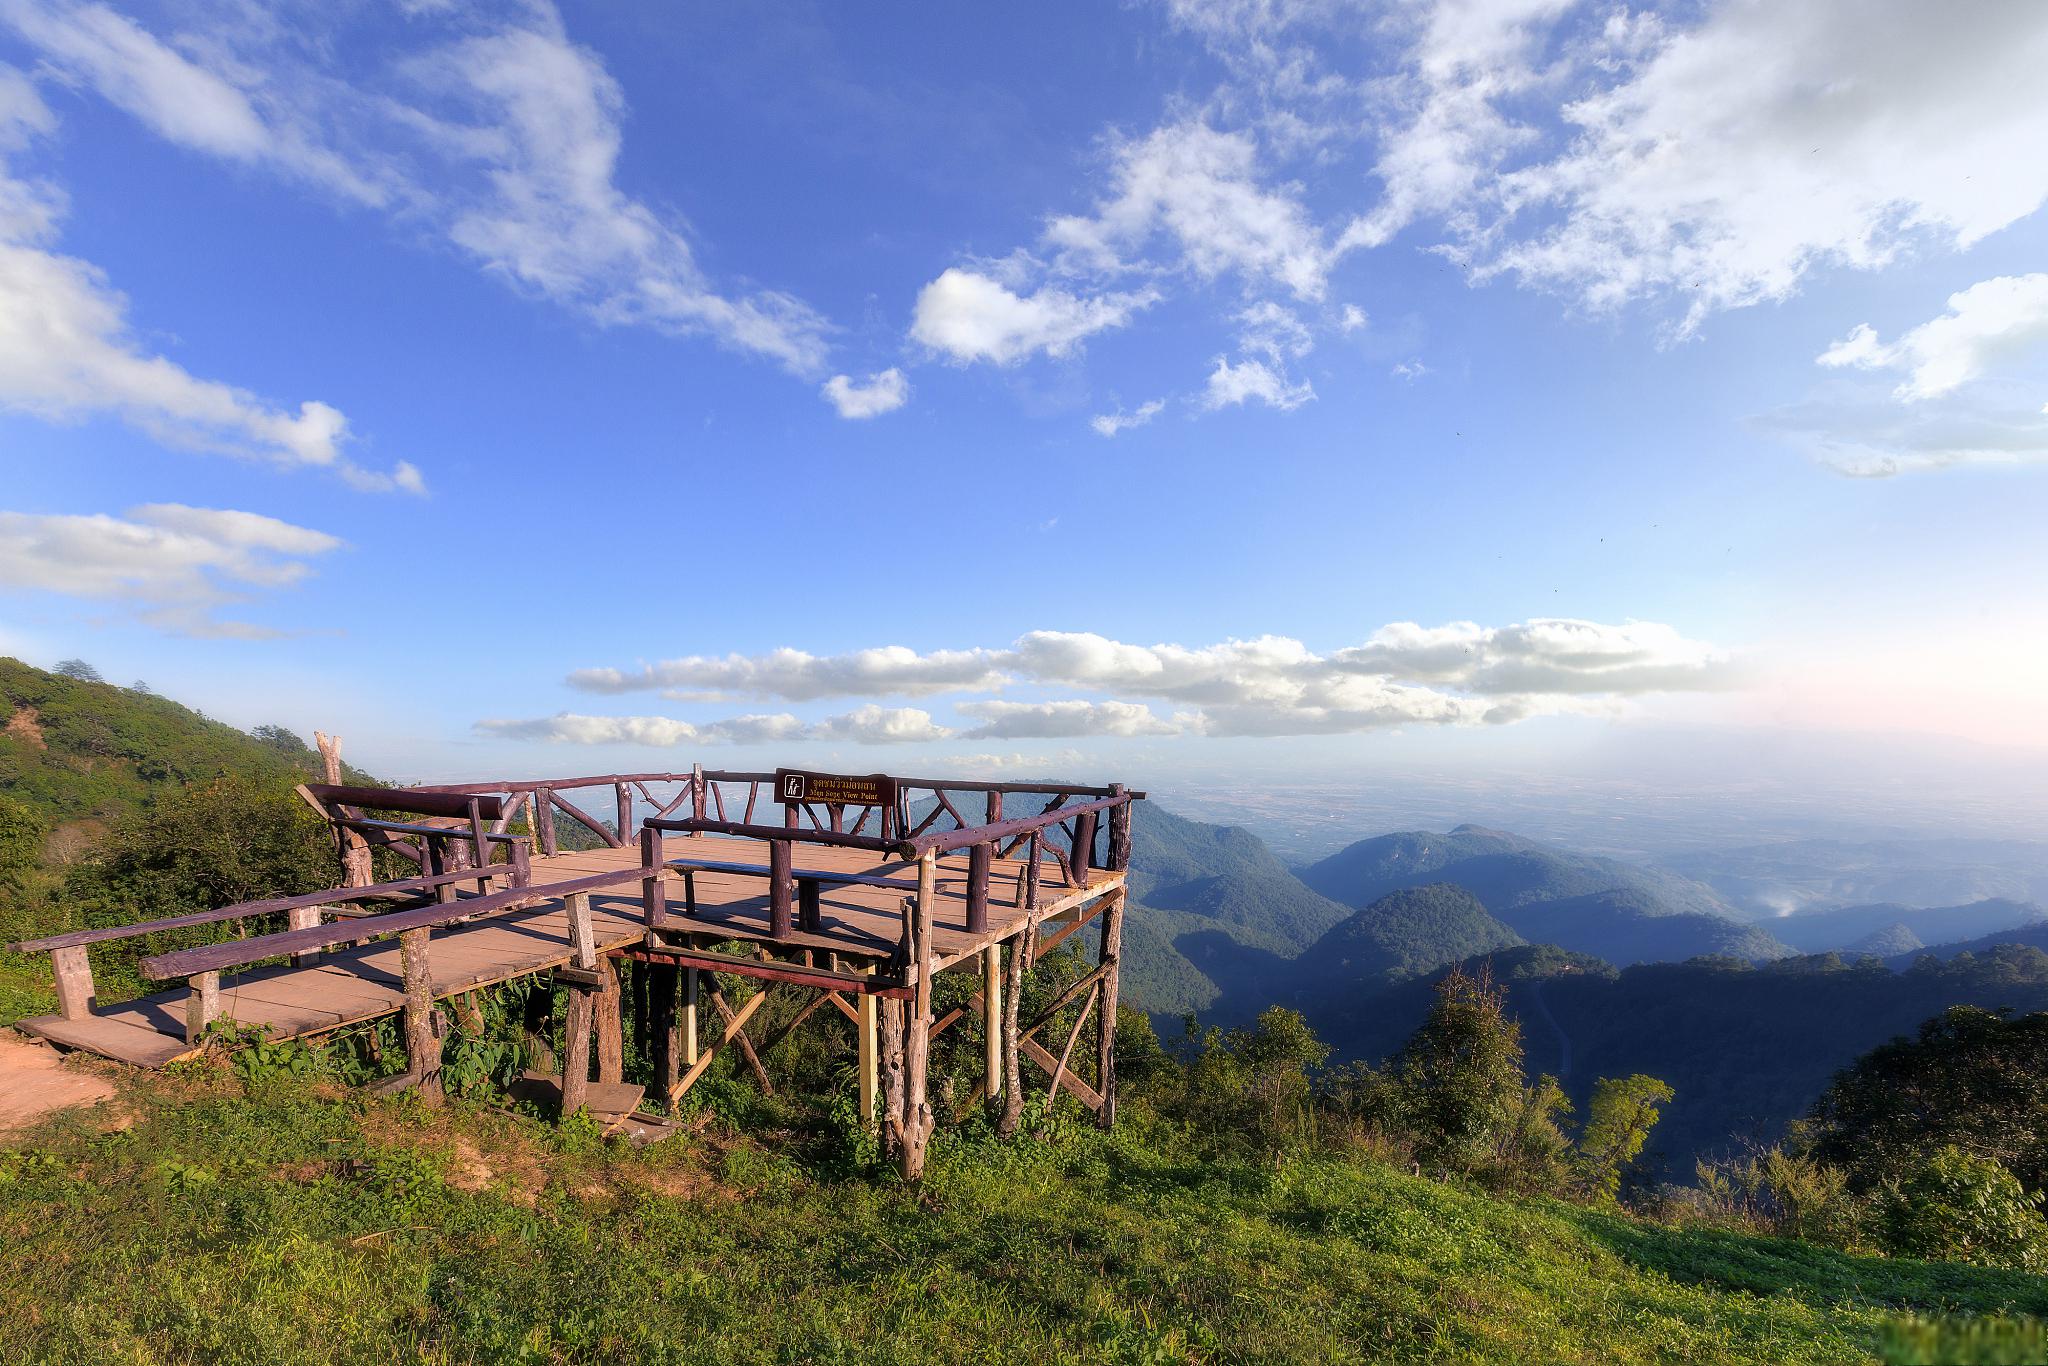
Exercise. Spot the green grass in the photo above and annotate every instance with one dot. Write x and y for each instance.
(299, 1223)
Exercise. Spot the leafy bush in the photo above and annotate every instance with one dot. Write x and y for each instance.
(1618, 1122)
(1956, 1207)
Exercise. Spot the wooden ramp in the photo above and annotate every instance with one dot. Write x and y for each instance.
(346, 986)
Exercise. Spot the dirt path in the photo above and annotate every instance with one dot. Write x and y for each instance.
(35, 1080)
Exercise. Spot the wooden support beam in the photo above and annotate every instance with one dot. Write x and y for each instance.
(978, 862)
(735, 1024)
(582, 933)
(422, 1041)
(891, 1044)
(653, 882)
(663, 1023)
(918, 1120)
(1105, 1044)
(992, 1018)
(1012, 1112)
(202, 1008)
(304, 918)
(1080, 1090)
(867, 1022)
(1060, 1069)
(75, 994)
(576, 1049)
(689, 1018)
(738, 1035)
(611, 1044)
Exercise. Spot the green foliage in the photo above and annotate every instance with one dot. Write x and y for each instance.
(78, 671)
(21, 843)
(1247, 1090)
(1401, 935)
(1461, 1075)
(1954, 1206)
(1974, 1078)
(1618, 1122)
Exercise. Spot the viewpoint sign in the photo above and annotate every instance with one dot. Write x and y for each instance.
(794, 786)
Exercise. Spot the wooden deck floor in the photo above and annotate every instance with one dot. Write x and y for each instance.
(362, 982)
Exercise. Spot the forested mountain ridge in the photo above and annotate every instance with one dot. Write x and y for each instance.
(1818, 931)
(1503, 870)
(1625, 926)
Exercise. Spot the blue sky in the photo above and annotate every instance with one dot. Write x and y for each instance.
(504, 387)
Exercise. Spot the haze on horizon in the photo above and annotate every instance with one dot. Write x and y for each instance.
(1503, 398)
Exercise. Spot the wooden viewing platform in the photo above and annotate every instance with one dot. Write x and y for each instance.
(860, 891)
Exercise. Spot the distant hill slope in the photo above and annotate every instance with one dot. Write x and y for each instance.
(1746, 1048)
(1503, 870)
(2033, 935)
(1842, 927)
(1210, 905)
(1764, 880)
(72, 750)
(1623, 927)
(1403, 934)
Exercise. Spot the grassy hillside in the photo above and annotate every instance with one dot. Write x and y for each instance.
(81, 752)
(298, 1224)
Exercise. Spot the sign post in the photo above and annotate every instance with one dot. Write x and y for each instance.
(795, 787)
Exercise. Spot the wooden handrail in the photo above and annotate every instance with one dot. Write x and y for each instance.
(241, 952)
(693, 865)
(418, 801)
(335, 896)
(940, 841)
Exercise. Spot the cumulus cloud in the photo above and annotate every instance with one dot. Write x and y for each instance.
(1984, 323)
(882, 393)
(1200, 189)
(1252, 379)
(966, 316)
(501, 134)
(865, 725)
(1458, 674)
(1722, 161)
(1109, 424)
(797, 676)
(172, 566)
(1066, 719)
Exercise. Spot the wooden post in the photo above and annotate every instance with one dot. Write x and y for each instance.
(422, 1046)
(779, 921)
(1105, 1044)
(625, 802)
(542, 814)
(75, 995)
(992, 1019)
(582, 934)
(869, 1049)
(653, 882)
(697, 791)
(978, 860)
(1119, 831)
(611, 1044)
(892, 1076)
(576, 1045)
(664, 1023)
(917, 1111)
(355, 850)
(1012, 1113)
(690, 1017)
(202, 1008)
(304, 918)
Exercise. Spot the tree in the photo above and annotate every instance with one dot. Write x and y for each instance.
(1619, 1119)
(21, 842)
(1956, 1207)
(1461, 1074)
(280, 739)
(80, 670)
(1973, 1078)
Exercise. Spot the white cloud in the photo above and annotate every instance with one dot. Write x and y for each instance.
(798, 676)
(882, 393)
(1458, 674)
(1066, 719)
(501, 135)
(67, 350)
(1253, 379)
(1409, 370)
(1984, 323)
(1874, 436)
(865, 725)
(172, 566)
(967, 317)
(1269, 330)
(1201, 188)
(1732, 156)
(1109, 424)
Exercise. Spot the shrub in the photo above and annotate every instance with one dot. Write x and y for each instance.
(1956, 1207)
(1618, 1122)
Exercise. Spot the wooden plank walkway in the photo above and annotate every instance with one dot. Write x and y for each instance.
(362, 982)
